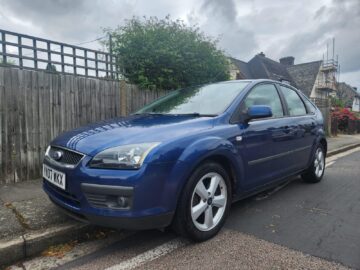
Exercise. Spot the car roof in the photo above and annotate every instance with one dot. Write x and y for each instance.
(254, 81)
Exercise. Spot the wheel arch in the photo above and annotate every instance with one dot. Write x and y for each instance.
(323, 142)
(221, 151)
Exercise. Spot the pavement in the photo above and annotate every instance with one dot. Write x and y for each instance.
(30, 223)
(341, 143)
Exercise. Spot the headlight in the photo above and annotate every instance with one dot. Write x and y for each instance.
(123, 157)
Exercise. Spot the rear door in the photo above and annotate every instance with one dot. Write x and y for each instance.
(302, 125)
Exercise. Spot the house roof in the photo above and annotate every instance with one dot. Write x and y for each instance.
(348, 88)
(304, 75)
(242, 66)
(262, 66)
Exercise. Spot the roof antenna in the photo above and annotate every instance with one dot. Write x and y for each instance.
(333, 57)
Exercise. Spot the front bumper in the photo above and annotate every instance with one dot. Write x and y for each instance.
(139, 223)
(91, 194)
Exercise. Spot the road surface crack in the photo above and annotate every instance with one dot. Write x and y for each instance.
(18, 215)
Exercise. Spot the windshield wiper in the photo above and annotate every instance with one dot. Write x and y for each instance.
(195, 114)
(149, 113)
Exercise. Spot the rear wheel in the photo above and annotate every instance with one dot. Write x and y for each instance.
(316, 171)
(204, 204)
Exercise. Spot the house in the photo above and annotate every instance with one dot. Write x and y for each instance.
(356, 103)
(315, 79)
(349, 95)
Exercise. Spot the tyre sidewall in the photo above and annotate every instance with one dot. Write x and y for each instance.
(310, 176)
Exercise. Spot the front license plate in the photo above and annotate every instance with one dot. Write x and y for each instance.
(55, 177)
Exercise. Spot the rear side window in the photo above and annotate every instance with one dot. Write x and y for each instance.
(264, 94)
(310, 107)
(295, 105)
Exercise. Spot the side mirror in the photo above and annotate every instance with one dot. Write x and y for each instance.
(258, 111)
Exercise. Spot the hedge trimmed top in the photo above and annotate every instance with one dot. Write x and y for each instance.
(165, 54)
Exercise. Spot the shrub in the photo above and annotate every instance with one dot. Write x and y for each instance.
(167, 54)
(343, 115)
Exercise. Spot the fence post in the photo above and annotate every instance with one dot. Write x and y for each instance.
(328, 108)
(123, 98)
(3, 39)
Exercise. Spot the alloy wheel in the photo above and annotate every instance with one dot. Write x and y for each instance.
(208, 201)
(319, 162)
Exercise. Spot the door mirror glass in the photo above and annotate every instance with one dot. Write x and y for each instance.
(258, 111)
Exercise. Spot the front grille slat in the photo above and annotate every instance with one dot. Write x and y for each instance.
(68, 157)
(97, 200)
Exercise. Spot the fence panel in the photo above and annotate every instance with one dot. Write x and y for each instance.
(36, 106)
(137, 98)
(29, 52)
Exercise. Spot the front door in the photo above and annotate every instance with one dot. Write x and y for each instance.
(265, 144)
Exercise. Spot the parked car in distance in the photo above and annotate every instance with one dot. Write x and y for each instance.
(183, 159)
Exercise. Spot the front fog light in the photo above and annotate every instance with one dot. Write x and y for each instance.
(123, 202)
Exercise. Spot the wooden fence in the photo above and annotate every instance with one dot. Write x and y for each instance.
(36, 106)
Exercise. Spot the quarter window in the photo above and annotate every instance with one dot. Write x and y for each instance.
(310, 107)
(295, 105)
(264, 94)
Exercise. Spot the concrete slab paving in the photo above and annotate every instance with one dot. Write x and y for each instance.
(39, 212)
(21, 191)
(341, 141)
(9, 225)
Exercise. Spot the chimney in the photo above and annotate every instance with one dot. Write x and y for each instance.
(288, 61)
(262, 54)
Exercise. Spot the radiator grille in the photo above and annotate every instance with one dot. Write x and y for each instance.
(67, 156)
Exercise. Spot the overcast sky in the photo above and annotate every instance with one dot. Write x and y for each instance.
(245, 27)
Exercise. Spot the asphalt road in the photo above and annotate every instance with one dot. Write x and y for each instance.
(296, 226)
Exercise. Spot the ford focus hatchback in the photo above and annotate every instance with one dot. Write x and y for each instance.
(183, 159)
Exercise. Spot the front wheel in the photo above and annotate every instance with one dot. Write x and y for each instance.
(316, 171)
(204, 204)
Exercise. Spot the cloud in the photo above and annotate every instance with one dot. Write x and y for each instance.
(244, 27)
(339, 20)
(222, 20)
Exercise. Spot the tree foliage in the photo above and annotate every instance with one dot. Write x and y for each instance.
(9, 62)
(343, 115)
(167, 54)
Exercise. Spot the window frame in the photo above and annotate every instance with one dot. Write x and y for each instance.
(307, 111)
(238, 117)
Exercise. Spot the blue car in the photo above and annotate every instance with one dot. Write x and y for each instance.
(183, 159)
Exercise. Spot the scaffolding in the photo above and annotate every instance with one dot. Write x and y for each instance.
(326, 82)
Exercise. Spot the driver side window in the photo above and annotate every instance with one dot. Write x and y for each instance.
(264, 94)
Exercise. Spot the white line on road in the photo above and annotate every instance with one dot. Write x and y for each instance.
(149, 255)
(328, 164)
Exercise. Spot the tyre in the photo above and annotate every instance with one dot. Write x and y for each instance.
(315, 172)
(204, 203)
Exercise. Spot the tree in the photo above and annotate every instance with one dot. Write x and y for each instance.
(50, 67)
(167, 54)
(8, 62)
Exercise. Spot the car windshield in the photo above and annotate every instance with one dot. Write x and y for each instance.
(210, 99)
